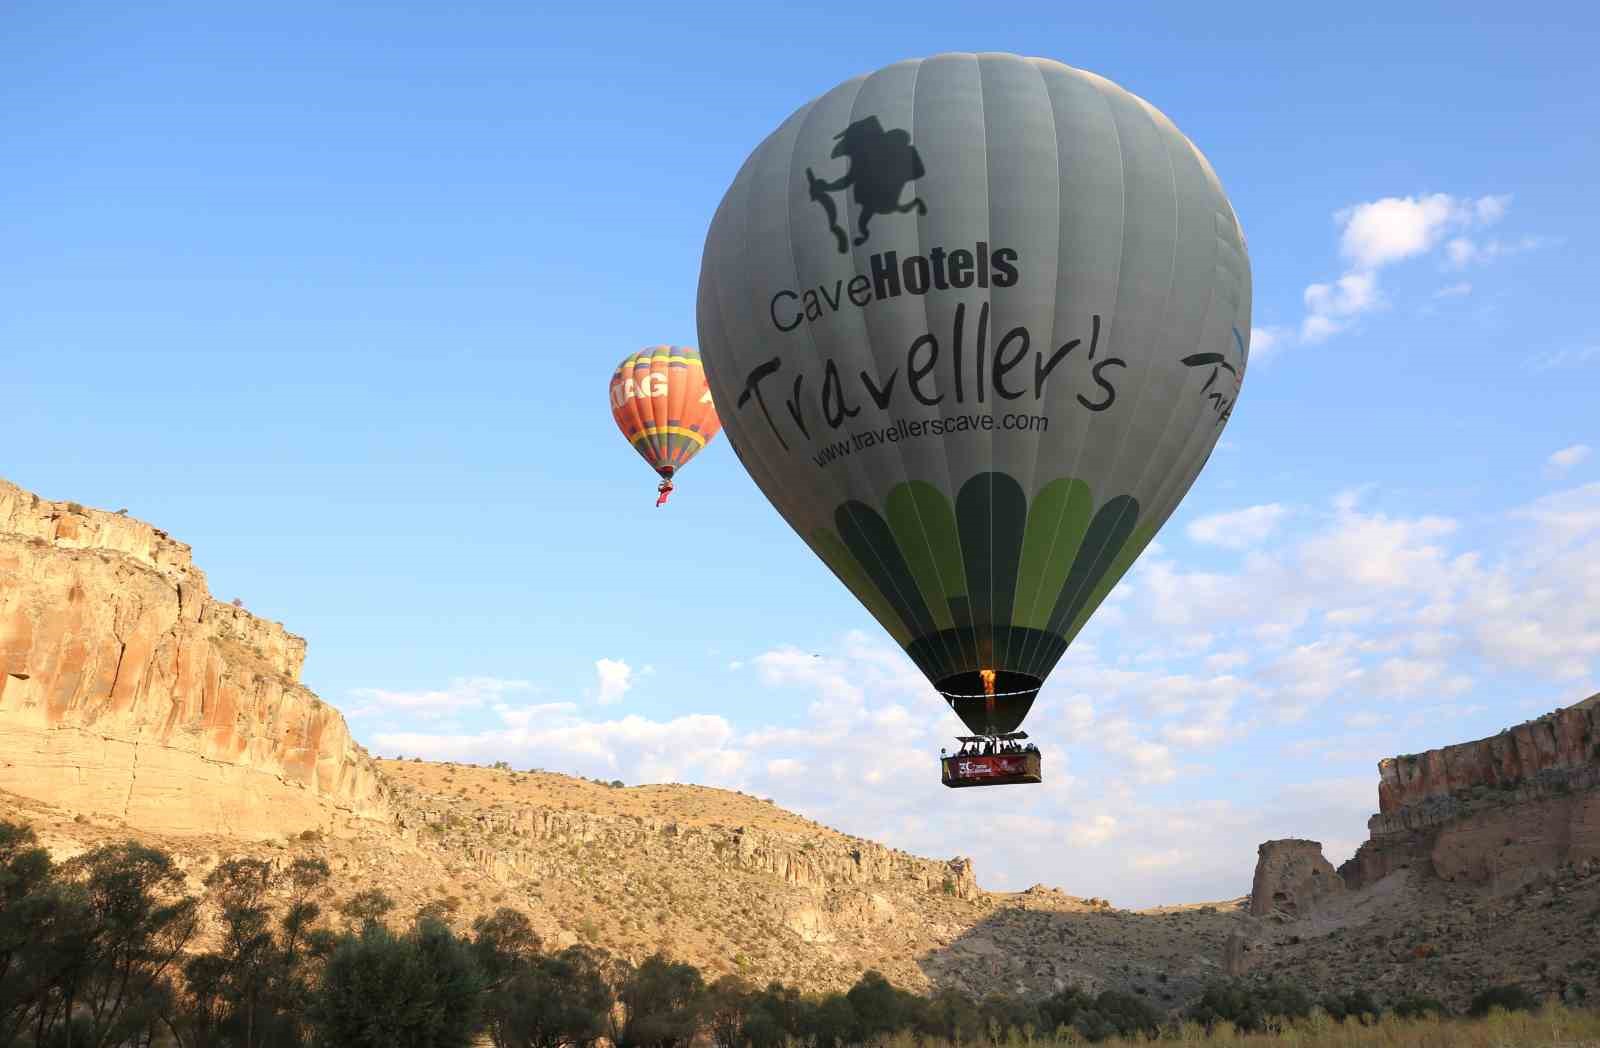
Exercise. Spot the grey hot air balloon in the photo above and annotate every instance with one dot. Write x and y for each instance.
(976, 323)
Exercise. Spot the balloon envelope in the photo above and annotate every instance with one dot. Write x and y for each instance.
(976, 323)
(662, 405)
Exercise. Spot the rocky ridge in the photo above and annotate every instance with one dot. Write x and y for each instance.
(126, 690)
(1482, 866)
(1493, 811)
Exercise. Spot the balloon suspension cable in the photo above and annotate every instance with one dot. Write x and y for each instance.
(665, 489)
(952, 695)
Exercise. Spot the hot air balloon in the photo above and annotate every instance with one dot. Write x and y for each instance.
(660, 401)
(976, 323)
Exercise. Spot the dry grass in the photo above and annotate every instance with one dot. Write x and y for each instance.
(1554, 1027)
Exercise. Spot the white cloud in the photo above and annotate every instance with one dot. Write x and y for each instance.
(1380, 552)
(1379, 233)
(1566, 516)
(694, 746)
(1096, 829)
(1567, 457)
(615, 678)
(1462, 252)
(1384, 231)
(462, 694)
(1240, 529)
(1264, 340)
(1331, 307)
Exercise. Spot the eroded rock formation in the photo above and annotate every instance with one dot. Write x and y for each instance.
(1292, 878)
(126, 690)
(1495, 811)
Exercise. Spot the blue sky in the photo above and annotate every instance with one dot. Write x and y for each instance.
(334, 294)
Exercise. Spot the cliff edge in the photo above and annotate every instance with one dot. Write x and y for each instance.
(127, 691)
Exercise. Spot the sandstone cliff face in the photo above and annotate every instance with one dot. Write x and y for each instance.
(1292, 878)
(126, 690)
(1495, 811)
(1564, 740)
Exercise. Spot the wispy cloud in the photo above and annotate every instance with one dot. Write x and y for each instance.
(1568, 457)
(1462, 252)
(1377, 234)
(614, 678)
(1266, 340)
(461, 695)
(1240, 529)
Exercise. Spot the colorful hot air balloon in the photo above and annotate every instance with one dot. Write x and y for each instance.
(976, 322)
(660, 401)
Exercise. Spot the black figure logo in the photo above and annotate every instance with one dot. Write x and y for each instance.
(881, 163)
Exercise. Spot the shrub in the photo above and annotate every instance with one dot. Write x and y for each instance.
(1511, 997)
(1248, 1006)
(1357, 1004)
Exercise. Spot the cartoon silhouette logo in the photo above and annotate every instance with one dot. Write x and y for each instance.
(881, 163)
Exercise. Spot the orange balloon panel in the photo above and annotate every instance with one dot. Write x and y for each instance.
(662, 404)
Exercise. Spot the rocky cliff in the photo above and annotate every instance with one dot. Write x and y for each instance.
(126, 690)
(1292, 878)
(1495, 811)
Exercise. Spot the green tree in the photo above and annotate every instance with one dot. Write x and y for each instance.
(380, 990)
(504, 944)
(1249, 1005)
(832, 1022)
(36, 914)
(728, 1002)
(1355, 1004)
(369, 906)
(1510, 997)
(659, 1003)
(116, 927)
(559, 1001)
(950, 1014)
(879, 1007)
(1416, 1005)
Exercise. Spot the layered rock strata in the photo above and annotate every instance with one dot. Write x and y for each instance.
(1495, 811)
(126, 690)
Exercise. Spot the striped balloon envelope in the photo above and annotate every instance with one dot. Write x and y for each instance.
(976, 322)
(660, 401)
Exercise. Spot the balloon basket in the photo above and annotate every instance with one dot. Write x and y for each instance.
(998, 768)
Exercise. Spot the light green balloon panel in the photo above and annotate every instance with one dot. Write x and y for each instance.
(988, 580)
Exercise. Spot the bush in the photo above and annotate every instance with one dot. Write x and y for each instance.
(1357, 1005)
(1511, 997)
(420, 990)
(1248, 1006)
(1416, 1005)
